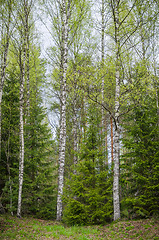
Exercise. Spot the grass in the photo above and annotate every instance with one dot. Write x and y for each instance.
(37, 229)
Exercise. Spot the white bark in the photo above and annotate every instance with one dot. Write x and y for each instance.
(112, 144)
(64, 52)
(156, 77)
(4, 54)
(104, 120)
(102, 59)
(21, 154)
(157, 105)
(75, 161)
(116, 200)
(21, 132)
(24, 63)
(27, 8)
(9, 173)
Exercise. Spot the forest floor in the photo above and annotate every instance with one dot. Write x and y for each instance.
(30, 228)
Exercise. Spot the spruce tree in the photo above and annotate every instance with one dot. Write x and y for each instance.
(140, 170)
(88, 193)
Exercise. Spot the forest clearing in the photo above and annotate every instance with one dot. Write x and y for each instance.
(30, 228)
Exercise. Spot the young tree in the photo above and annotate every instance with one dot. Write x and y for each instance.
(5, 34)
(23, 15)
(88, 193)
(140, 170)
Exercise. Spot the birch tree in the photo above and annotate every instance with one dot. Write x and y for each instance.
(5, 34)
(5, 22)
(102, 55)
(69, 10)
(65, 12)
(23, 12)
(75, 126)
(104, 16)
(116, 201)
(66, 17)
(22, 62)
(123, 17)
(121, 33)
(60, 20)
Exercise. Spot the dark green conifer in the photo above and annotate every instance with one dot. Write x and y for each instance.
(88, 193)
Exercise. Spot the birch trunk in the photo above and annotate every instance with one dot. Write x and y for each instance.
(104, 120)
(116, 194)
(155, 80)
(24, 63)
(26, 10)
(112, 144)
(7, 152)
(116, 200)
(9, 172)
(10, 186)
(75, 135)
(21, 132)
(64, 52)
(106, 144)
(4, 55)
(102, 60)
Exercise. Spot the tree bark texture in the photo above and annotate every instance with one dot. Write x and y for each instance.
(21, 132)
(112, 144)
(102, 61)
(27, 8)
(64, 52)
(4, 54)
(75, 127)
(7, 152)
(116, 194)
(24, 70)
(106, 143)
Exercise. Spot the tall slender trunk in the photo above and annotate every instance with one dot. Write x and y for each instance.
(157, 92)
(75, 135)
(104, 120)
(84, 117)
(4, 55)
(106, 143)
(155, 80)
(116, 200)
(21, 132)
(7, 152)
(102, 60)
(4, 64)
(102, 88)
(157, 104)
(10, 185)
(26, 9)
(64, 52)
(112, 144)
(82, 121)
(142, 38)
